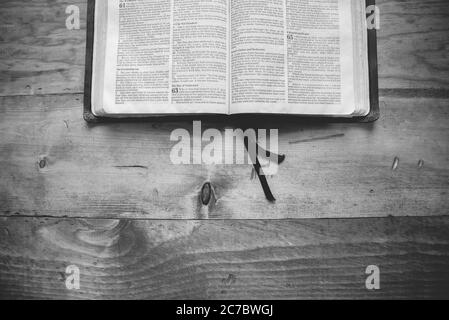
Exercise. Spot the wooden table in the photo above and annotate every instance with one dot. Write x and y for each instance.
(106, 198)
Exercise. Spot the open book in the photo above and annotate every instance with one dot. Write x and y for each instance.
(158, 57)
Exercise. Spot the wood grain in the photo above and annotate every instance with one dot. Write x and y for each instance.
(414, 44)
(54, 164)
(38, 55)
(224, 259)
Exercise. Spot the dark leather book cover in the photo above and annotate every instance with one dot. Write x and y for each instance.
(373, 76)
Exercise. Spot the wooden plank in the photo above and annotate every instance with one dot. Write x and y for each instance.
(55, 164)
(413, 44)
(224, 259)
(38, 55)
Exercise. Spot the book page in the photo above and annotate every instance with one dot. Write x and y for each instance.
(290, 56)
(165, 56)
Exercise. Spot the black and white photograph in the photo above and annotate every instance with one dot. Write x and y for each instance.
(224, 155)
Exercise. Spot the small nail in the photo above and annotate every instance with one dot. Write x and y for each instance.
(395, 164)
(420, 164)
